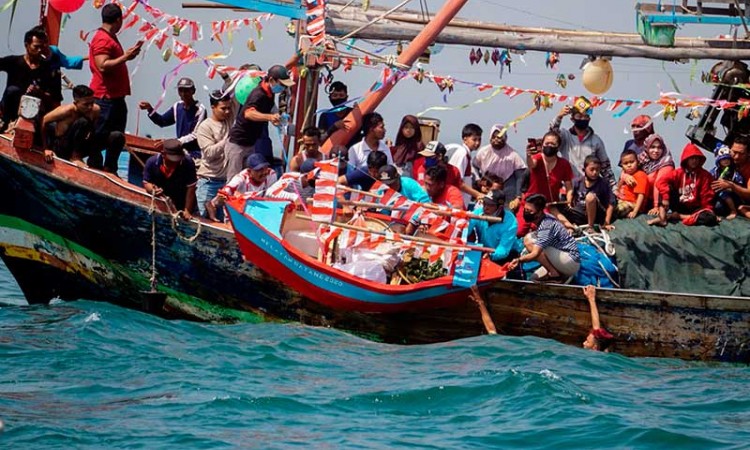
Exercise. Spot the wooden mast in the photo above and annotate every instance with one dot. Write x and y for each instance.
(424, 39)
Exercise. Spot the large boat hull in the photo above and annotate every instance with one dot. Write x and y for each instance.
(73, 233)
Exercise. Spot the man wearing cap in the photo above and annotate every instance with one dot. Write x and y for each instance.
(185, 115)
(252, 120)
(111, 84)
(498, 235)
(434, 155)
(405, 186)
(258, 177)
(642, 127)
(172, 173)
(501, 159)
(580, 141)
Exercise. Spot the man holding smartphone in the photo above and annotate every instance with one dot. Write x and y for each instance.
(111, 84)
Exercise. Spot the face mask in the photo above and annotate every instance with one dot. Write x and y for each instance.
(277, 88)
(337, 101)
(549, 151)
(430, 162)
(582, 124)
(174, 158)
(528, 217)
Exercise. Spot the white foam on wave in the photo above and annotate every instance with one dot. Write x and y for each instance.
(548, 374)
(93, 317)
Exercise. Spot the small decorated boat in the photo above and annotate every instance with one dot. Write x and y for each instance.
(289, 247)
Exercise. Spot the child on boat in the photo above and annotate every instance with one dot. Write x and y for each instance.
(598, 338)
(632, 187)
(725, 202)
(687, 191)
(593, 200)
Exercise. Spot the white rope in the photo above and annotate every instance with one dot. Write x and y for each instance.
(152, 211)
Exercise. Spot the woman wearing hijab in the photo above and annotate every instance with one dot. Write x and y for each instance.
(408, 144)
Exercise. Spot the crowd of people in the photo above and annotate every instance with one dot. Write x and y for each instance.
(562, 182)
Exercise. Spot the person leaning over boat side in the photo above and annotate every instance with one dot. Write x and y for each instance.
(172, 173)
(501, 159)
(28, 74)
(740, 154)
(185, 115)
(498, 235)
(439, 191)
(551, 244)
(549, 174)
(364, 180)
(252, 121)
(73, 127)
(111, 84)
(295, 186)
(212, 135)
(404, 185)
(257, 178)
(598, 338)
(373, 128)
(310, 149)
(580, 141)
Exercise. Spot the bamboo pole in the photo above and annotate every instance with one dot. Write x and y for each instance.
(403, 237)
(569, 44)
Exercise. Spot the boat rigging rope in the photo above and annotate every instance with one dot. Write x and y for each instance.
(152, 211)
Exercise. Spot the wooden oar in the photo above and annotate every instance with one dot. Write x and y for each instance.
(403, 237)
(489, 325)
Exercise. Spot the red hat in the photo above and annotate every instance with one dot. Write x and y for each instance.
(641, 122)
(601, 333)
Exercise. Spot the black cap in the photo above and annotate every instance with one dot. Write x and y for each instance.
(433, 148)
(495, 197)
(172, 146)
(280, 74)
(388, 175)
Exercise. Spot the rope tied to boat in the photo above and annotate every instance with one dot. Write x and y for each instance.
(152, 211)
(175, 218)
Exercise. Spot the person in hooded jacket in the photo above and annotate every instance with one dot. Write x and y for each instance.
(686, 191)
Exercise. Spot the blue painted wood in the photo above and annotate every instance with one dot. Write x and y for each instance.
(680, 19)
(292, 9)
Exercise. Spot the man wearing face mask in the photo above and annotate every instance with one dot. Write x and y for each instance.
(253, 118)
(434, 155)
(331, 121)
(172, 173)
(501, 159)
(580, 141)
(642, 127)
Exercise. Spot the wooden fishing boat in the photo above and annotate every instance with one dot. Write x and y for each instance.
(272, 237)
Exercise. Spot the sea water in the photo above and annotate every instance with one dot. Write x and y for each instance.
(92, 375)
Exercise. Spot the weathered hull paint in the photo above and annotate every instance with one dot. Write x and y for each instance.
(73, 233)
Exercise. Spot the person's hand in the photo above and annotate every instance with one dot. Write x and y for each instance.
(513, 264)
(49, 156)
(338, 125)
(590, 293)
(513, 205)
(146, 106)
(653, 211)
(33, 89)
(133, 52)
(566, 111)
(532, 148)
(628, 179)
(721, 185)
(157, 191)
(632, 214)
(609, 227)
(185, 215)
(275, 119)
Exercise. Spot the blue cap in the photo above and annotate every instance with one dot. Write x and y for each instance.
(256, 161)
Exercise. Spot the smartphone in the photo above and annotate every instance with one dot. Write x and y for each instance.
(535, 143)
(140, 43)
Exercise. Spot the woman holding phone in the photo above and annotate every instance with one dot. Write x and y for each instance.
(548, 174)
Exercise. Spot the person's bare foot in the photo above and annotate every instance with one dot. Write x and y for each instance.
(731, 216)
(211, 211)
(658, 222)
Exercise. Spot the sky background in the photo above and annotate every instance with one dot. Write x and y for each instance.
(634, 78)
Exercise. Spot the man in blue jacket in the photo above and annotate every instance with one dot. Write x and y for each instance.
(498, 235)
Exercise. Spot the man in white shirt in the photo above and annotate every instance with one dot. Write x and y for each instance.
(373, 127)
(459, 155)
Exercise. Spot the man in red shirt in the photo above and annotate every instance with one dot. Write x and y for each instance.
(440, 192)
(111, 84)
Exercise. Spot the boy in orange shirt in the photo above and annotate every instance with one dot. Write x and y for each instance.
(632, 187)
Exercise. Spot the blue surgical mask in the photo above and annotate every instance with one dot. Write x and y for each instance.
(277, 88)
(430, 162)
